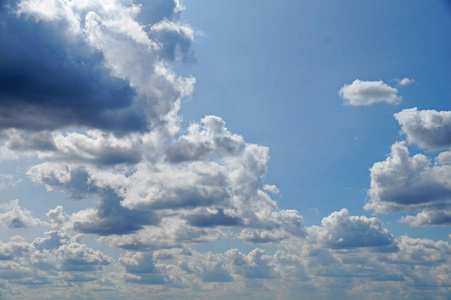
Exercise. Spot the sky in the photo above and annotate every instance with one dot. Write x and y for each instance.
(225, 149)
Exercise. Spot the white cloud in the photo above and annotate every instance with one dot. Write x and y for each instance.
(57, 217)
(52, 260)
(408, 183)
(208, 177)
(443, 158)
(428, 129)
(158, 192)
(421, 252)
(271, 188)
(363, 93)
(340, 230)
(8, 180)
(18, 217)
(405, 81)
(429, 218)
(140, 268)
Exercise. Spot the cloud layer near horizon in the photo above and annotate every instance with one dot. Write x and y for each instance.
(160, 192)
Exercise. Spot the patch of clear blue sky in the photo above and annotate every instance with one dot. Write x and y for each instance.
(272, 71)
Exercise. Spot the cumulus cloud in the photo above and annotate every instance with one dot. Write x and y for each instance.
(54, 257)
(363, 93)
(415, 251)
(212, 138)
(140, 268)
(73, 80)
(93, 147)
(428, 218)
(340, 230)
(428, 129)
(408, 183)
(102, 67)
(171, 233)
(216, 185)
(103, 122)
(57, 217)
(59, 251)
(18, 217)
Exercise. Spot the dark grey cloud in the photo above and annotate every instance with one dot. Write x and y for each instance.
(48, 81)
(205, 218)
(81, 65)
(110, 217)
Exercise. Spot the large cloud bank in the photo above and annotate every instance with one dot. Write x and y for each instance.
(87, 88)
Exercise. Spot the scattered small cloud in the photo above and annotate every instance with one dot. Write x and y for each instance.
(364, 93)
(405, 81)
(8, 180)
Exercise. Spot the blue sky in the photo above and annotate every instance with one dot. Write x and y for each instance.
(225, 149)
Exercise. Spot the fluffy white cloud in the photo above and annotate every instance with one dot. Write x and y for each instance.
(408, 183)
(158, 192)
(428, 129)
(340, 230)
(57, 217)
(18, 217)
(363, 93)
(55, 258)
(271, 188)
(210, 178)
(421, 252)
(429, 218)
